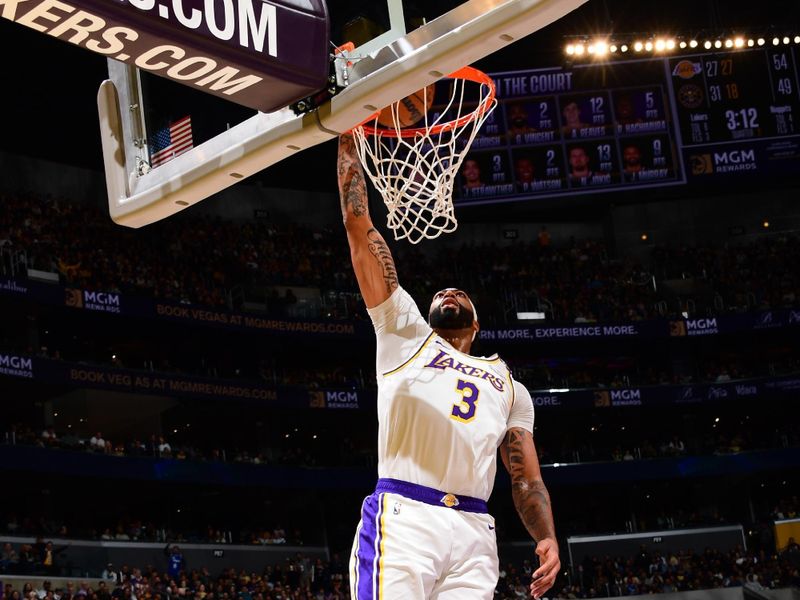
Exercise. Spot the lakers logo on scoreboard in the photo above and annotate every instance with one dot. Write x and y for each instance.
(687, 69)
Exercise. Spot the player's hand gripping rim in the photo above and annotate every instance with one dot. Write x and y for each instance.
(549, 565)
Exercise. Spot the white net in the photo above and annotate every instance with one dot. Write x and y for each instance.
(415, 169)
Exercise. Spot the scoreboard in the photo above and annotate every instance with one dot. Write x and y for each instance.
(738, 112)
(636, 124)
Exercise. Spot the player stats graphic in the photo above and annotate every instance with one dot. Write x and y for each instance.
(586, 116)
(539, 169)
(647, 159)
(592, 164)
(585, 129)
(486, 175)
(640, 111)
(533, 121)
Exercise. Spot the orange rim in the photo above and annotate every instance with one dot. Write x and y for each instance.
(467, 73)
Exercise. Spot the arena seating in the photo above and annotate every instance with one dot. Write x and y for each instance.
(204, 260)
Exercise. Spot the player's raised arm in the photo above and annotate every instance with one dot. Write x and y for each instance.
(372, 260)
(532, 502)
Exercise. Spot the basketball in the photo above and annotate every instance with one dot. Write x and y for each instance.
(410, 110)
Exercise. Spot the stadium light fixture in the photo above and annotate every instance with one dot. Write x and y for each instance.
(765, 224)
(601, 47)
(531, 316)
(797, 39)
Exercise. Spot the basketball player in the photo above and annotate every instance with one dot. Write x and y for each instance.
(471, 172)
(579, 165)
(425, 533)
(632, 160)
(572, 119)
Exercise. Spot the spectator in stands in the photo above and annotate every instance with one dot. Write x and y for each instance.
(109, 573)
(164, 449)
(175, 561)
(543, 239)
(8, 558)
(97, 443)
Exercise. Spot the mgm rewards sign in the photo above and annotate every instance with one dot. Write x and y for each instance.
(264, 54)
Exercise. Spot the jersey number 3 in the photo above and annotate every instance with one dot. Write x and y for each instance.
(464, 410)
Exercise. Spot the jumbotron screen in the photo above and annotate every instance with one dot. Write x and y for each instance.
(636, 124)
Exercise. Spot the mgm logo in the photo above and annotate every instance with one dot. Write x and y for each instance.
(723, 162)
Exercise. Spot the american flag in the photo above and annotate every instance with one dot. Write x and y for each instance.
(171, 141)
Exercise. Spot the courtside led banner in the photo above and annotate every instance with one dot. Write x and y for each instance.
(82, 375)
(264, 54)
(545, 332)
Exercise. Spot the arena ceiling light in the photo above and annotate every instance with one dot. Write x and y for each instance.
(597, 47)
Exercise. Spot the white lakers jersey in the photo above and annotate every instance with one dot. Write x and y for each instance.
(441, 413)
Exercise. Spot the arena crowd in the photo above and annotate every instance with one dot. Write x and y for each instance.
(200, 260)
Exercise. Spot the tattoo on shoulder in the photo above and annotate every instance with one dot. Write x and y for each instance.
(378, 248)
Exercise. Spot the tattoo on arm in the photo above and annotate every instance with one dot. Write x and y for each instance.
(378, 248)
(531, 498)
(352, 187)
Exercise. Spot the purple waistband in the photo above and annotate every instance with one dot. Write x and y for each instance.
(431, 496)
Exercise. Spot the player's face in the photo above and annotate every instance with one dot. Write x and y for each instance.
(624, 108)
(632, 157)
(518, 116)
(451, 309)
(572, 114)
(524, 169)
(471, 171)
(578, 159)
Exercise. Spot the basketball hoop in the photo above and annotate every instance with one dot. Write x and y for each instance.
(414, 168)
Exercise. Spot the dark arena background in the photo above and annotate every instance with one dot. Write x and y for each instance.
(188, 409)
